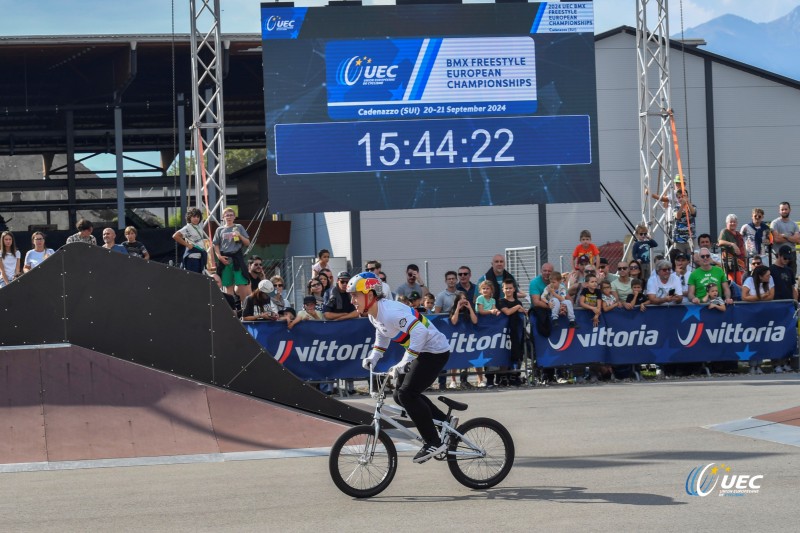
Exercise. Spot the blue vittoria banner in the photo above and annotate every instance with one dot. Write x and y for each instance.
(324, 350)
(674, 334)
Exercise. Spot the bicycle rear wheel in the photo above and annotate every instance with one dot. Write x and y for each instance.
(355, 470)
(487, 471)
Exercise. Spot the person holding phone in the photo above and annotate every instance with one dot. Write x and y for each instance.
(664, 288)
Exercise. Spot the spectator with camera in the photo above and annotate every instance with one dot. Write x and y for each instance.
(414, 283)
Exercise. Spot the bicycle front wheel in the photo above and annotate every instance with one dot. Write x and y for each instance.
(483, 458)
(361, 467)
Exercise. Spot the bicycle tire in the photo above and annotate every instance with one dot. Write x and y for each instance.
(351, 473)
(481, 472)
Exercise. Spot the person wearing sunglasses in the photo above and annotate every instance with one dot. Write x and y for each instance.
(465, 284)
(255, 267)
(622, 285)
(413, 283)
(280, 303)
(374, 266)
(664, 288)
(338, 305)
(705, 274)
(756, 236)
(642, 245)
(314, 288)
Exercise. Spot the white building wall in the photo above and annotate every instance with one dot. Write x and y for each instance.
(757, 124)
(757, 127)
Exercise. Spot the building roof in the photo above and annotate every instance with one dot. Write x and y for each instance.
(705, 54)
(46, 76)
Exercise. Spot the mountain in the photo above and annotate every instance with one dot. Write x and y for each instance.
(773, 46)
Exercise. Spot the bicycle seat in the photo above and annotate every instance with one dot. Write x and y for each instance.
(452, 404)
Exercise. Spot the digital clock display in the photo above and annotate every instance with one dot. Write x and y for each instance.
(429, 105)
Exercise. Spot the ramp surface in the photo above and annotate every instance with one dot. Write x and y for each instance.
(154, 315)
(69, 403)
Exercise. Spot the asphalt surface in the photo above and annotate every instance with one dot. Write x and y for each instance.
(606, 457)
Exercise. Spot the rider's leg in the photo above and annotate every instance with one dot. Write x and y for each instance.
(423, 371)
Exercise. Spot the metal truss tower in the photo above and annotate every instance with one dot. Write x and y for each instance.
(208, 124)
(655, 142)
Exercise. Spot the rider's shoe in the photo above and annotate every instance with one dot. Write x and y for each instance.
(428, 451)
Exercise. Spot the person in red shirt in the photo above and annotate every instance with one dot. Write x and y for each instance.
(587, 248)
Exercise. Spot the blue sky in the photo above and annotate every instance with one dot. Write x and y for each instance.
(81, 17)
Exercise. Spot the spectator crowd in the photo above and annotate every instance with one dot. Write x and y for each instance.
(752, 262)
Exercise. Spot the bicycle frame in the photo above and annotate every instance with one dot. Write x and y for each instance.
(446, 430)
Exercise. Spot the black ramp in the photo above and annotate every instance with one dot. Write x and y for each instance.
(154, 315)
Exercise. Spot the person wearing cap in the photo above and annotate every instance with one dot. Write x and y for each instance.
(309, 312)
(602, 271)
(258, 305)
(426, 353)
(339, 306)
(785, 231)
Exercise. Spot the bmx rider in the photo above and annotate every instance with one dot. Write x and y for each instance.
(427, 352)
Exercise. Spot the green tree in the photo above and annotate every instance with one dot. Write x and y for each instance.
(239, 159)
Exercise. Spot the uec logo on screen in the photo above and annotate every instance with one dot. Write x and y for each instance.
(276, 23)
(356, 68)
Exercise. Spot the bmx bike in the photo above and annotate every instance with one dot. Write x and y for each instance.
(363, 460)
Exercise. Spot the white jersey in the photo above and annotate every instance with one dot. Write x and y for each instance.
(400, 323)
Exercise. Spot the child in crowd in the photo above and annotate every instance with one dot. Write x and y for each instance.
(712, 297)
(429, 302)
(309, 312)
(485, 303)
(132, 246)
(555, 294)
(641, 249)
(637, 298)
(510, 306)
(323, 257)
(607, 297)
(587, 248)
(590, 298)
(403, 300)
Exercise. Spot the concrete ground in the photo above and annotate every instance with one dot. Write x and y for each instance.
(608, 457)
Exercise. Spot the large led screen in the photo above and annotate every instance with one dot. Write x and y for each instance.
(422, 106)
